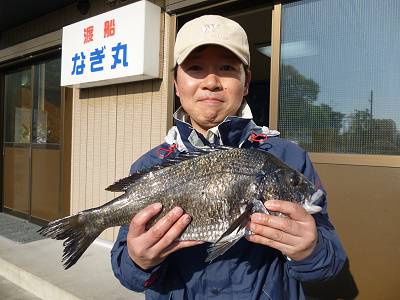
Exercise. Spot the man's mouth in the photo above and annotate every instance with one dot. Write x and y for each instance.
(210, 100)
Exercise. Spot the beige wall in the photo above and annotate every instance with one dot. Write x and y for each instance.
(364, 207)
(112, 127)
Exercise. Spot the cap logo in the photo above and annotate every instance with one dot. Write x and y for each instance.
(209, 27)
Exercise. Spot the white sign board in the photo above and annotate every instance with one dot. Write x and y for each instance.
(118, 46)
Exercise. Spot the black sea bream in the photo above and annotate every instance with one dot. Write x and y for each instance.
(219, 188)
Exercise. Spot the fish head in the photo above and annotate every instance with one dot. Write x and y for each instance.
(285, 183)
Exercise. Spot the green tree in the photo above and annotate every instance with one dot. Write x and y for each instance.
(319, 128)
(371, 136)
(315, 127)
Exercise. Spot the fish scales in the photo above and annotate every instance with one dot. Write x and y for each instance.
(185, 180)
(195, 185)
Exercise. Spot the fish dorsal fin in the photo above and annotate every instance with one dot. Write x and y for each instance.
(123, 184)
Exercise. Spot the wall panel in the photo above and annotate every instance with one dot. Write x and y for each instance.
(83, 124)
(364, 207)
(97, 147)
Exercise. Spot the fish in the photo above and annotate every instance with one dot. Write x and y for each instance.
(218, 187)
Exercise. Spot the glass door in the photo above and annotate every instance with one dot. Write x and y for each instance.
(32, 141)
(17, 138)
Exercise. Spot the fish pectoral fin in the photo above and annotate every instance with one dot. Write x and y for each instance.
(225, 241)
(218, 248)
(239, 223)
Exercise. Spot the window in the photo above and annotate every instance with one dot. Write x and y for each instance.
(34, 90)
(339, 76)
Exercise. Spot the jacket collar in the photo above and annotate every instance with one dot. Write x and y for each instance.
(233, 131)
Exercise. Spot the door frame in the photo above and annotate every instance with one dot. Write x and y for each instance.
(2, 100)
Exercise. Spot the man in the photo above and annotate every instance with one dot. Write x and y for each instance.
(211, 78)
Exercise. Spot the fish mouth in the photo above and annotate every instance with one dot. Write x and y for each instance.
(309, 204)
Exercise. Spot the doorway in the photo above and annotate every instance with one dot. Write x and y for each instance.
(32, 141)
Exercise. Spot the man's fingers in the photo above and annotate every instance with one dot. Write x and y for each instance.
(173, 233)
(292, 210)
(277, 222)
(138, 223)
(285, 249)
(273, 234)
(176, 245)
(158, 230)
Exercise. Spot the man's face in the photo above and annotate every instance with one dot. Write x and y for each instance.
(211, 83)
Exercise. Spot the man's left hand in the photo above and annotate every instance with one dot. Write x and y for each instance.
(294, 234)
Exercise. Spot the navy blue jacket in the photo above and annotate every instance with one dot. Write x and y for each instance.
(247, 270)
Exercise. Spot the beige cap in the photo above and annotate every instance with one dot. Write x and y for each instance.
(211, 29)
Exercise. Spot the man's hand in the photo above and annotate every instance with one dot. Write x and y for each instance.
(148, 248)
(295, 235)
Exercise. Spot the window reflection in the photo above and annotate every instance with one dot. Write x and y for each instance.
(339, 84)
(18, 106)
(47, 120)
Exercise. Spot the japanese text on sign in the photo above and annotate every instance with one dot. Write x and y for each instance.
(96, 57)
(118, 53)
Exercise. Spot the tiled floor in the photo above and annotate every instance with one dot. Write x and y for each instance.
(18, 230)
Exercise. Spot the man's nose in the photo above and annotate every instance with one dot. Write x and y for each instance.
(212, 82)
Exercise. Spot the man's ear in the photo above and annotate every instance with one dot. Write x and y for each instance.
(176, 88)
(247, 82)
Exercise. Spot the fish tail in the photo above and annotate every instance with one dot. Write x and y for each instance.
(77, 233)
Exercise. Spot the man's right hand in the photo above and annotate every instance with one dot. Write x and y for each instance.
(148, 248)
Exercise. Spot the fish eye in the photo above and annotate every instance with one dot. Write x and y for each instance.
(294, 180)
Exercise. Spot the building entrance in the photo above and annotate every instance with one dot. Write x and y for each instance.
(32, 140)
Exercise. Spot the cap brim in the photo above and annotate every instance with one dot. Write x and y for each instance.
(189, 50)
